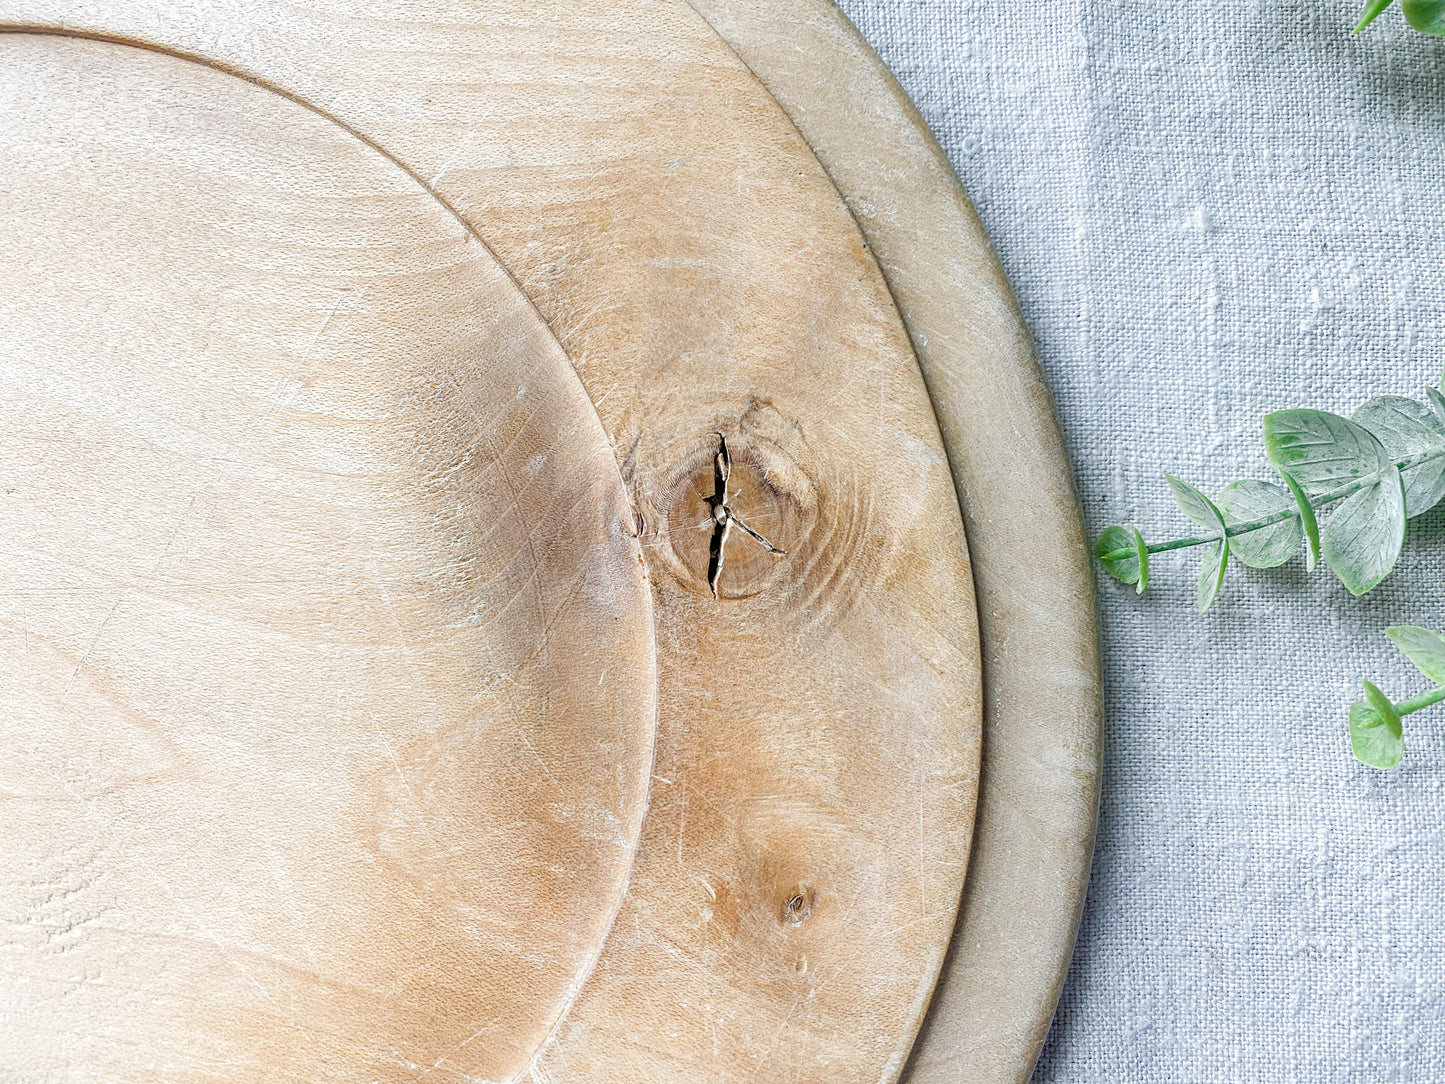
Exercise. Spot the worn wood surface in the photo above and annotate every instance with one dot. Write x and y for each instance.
(1039, 786)
(325, 643)
(817, 724)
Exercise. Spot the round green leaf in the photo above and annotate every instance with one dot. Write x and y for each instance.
(1320, 450)
(1196, 505)
(1211, 573)
(1362, 539)
(1122, 552)
(1426, 16)
(1249, 500)
(1423, 647)
(1204, 512)
(1371, 739)
(1408, 427)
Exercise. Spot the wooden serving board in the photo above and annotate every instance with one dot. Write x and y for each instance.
(360, 797)
(1039, 789)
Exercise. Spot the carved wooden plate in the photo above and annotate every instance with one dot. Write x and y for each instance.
(816, 696)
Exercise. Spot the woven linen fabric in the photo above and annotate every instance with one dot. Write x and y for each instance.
(1209, 211)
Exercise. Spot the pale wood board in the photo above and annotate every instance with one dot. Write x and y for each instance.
(1038, 797)
(325, 640)
(817, 740)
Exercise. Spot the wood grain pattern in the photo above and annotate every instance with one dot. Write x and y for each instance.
(325, 639)
(818, 726)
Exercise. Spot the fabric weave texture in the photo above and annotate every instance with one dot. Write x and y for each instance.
(1211, 211)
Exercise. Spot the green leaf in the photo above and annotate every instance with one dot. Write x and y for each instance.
(1408, 427)
(1426, 16)
(1371, 12)
(1211, 574)
(1377, 735)
(1437, 401)
(1363, 537)
(1322, 451)
(1196, 505)
(1122, 552)
(1141, 551)
(1264, 547)
(1307, 517)
(1203, 511)
(1383, 707)
(1426, 649)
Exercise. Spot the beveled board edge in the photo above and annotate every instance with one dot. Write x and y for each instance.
(1038, 801)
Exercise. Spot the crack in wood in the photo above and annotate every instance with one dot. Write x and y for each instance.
(725, 519)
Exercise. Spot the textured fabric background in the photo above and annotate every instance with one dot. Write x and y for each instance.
(1209, 211)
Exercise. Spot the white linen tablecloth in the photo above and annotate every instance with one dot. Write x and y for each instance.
(1210, 211)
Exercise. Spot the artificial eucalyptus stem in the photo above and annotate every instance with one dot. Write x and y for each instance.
(1424, 700)
(1381, 466)
(1235, 529)
(1377, 733)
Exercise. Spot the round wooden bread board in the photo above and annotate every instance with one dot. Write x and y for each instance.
(1039, 782)
(817, 722)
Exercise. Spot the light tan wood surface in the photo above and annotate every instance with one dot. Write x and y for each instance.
(1038, 796)
(326, 655)
(817, 741)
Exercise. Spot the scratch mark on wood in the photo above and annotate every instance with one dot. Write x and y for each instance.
(170, 538)
(88, 649)
(922, 861)
(88, 808)
(488, 1026)
(681, 826)
(374, 568)
(210, 934)
(768, 1053)
(355, 308)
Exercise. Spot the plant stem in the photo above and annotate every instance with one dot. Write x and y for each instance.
(1339, 493)
(1424, 700)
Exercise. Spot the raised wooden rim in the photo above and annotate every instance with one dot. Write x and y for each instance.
(1038, 799)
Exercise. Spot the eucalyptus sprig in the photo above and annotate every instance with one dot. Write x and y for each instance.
(1426, 16)
(1377, 733)
(1384, 464)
